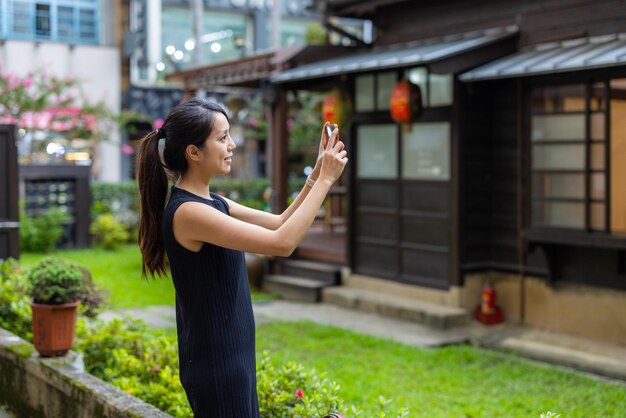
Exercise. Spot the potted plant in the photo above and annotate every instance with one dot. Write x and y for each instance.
(56, 287)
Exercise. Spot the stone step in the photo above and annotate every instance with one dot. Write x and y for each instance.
(323, 272)
(294, 288)
(429, 314)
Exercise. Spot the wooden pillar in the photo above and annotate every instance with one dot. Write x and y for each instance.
(9, 211)
(278, 153)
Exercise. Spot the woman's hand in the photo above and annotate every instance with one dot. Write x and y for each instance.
(333, 158)
(324, 140)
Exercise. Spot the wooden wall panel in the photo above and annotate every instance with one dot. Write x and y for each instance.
(429, 231)
(476, 176)
(504, 166)
(426, 196)
(539, 21)
(425, 266)
(377, 259)
(377, 225)
(377, 194)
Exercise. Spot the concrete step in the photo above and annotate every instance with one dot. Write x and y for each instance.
(323, 272)
(429, 314)
(294, 288)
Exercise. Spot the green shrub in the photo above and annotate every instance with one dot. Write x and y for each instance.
(15, 315)
(120, 200)
(139, 360)
(113, 197)
(41, 234)
(289, 390)
(92, 299)
(55, 281)
(108, 232)
(246, 192)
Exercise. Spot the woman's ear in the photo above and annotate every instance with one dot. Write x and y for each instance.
(192, 152)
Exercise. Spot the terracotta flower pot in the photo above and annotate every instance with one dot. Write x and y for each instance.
(54, 327)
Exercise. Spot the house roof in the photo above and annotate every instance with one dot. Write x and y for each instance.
(395, 56)
(251, 70)
(554, 57)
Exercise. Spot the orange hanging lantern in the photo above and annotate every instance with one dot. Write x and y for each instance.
(336, 108)
(405, 102)
(331, 108)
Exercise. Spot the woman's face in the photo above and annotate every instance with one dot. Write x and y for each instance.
(216, 154)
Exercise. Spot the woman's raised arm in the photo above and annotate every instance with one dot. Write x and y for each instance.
(195, 223)
(272, 221)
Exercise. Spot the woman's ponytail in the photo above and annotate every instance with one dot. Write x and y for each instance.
(153, 192)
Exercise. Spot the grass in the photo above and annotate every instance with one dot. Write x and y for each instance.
(454, 381)
(119, 273)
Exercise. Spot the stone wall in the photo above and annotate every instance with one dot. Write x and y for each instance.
(582, 311)
(33, 387)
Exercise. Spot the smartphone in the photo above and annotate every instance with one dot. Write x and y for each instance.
(329, 131)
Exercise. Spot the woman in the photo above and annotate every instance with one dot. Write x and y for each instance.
(204, 236)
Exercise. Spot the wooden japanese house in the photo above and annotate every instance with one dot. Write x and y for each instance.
(513, 173)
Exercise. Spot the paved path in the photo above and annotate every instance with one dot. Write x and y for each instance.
(402, 331)
(596, 358)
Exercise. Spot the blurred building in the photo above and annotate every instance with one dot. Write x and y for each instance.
(159, 40)
(67, 39)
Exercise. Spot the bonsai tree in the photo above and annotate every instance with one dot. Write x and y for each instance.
(55, 281)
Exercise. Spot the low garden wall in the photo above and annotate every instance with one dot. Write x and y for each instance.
(39, 388)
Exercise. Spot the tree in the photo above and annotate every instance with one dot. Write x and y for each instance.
(40, 101)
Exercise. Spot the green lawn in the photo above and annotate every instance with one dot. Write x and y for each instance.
(455, 381)
(119, 273)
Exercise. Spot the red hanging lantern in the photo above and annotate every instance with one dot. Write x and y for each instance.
(331, 108)
(405, 102)
(337, 108)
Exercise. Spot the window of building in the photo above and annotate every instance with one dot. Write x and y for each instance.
(576, 162)
(377, 151)
(224, 38)
(292, 31)
(42, 20)
(426, 152)
(21, 19)
(436, 89)
(364, 91)
(374, 90)
(73, 21)
(66, 22)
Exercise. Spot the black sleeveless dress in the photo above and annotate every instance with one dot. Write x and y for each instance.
(214, 319)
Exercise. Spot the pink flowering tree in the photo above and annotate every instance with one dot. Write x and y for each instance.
(39, 101)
